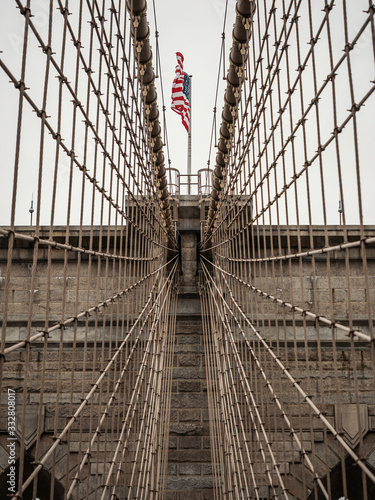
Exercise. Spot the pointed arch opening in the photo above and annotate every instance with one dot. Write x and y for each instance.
(354, 482)
(44, 482)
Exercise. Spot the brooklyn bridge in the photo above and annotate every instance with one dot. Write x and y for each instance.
(201, 335)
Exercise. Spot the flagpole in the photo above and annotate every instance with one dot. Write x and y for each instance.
(189, 139)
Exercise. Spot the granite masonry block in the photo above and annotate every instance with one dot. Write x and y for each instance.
(186, 328)
(206, 443)
(189, 469)
(189, 386)
(188, 240)
(189, 339)
(172, 469)
(188, 360)
(190, 415)
(190, 482)
(186, 372)
(190, 442)
(189, 254)
(185, 348)
(172, 443)
(207, 469)
(189, 400)
(189, 429)
(172, 495)
(186, 456)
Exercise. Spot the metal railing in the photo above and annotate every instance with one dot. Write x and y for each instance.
(199, 183)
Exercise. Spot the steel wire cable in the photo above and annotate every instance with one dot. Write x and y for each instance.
(286, 283)
(95, 304)
(287, 294)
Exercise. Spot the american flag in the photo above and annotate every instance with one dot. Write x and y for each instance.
(181, 92)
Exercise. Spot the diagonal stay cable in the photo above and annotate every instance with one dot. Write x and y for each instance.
(87, 312)
(232, 386)
(136, 392)
(303, 312)
(266, 92)
(317, 251)
(295, 383)
(268, 384)
(95, 386)
(81, 167)
(248, 391)
(295, 177)
(42, 114)
(118, 382)
(71, 248)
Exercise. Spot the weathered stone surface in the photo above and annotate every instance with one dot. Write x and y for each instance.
(206, 443)
(191, 429)
(189, 441)
(352, 427)
(173, 416)
(175, 456)
(191, 327)
(207, 469)
(187, 372)
(191, 306)
(190, 415)
(172, 495)
(189, 400)
(4, 455)
(188, 254)
(189, 267)
(189, 339)
(189, 386)
(172, 470)
(191, 482)
(188, 360)
(189, 469)
(189, 348)
(172, 443)
(188, 240)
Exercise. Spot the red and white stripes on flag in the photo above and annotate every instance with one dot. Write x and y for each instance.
(181, 92)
